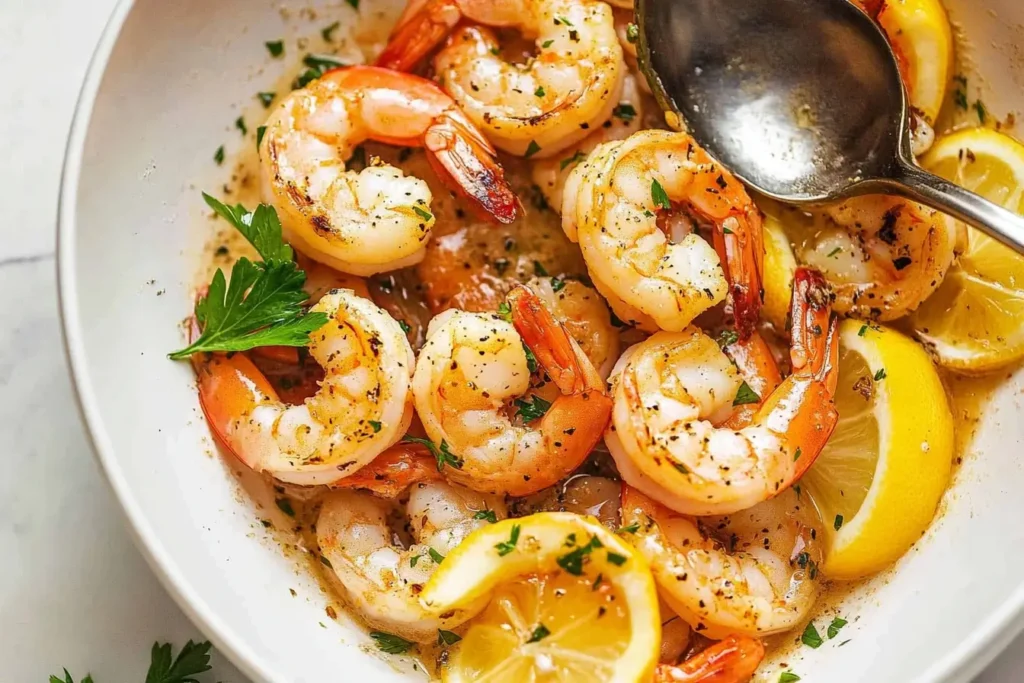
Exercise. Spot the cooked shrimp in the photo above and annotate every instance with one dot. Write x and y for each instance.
(550, 174)
(474, 365)
(534, 109)
(364, 404)
(883, 255)
(584, 315)
(376, 219)
(611, 205)
(752, 573)
(380, 580)
(394, 471)
(671, 391)
(732, 660)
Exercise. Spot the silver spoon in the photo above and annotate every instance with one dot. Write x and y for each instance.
(801, 99)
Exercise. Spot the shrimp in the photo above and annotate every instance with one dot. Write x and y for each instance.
(364, 404)
(583, 494)
(753, 573)
(732, 660)
(394, 471)
(377, 219)
(550, 174)
(536, 109)
(611, 205)
(473, 365)
(883, 255)
(584, 315)
(671, 391)
(380, 580)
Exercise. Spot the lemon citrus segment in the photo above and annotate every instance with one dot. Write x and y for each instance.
(919, 33)
(779, 269)
(569, 601)
(972, 323)
(879, 480)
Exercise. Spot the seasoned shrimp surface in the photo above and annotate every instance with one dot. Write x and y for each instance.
(731, 660)
(537, 108)
(380, 580)
(551, 173)
(611, 205)
(474, 365)
(376, 219)
(673, 390)
(752, 573)
(883, 255)
(363, 406)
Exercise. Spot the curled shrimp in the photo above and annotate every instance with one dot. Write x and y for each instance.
(611, 207)
(535, 109)
(474, 365)
(394, 471)
(731, 660)
(381, 579)
(671, 391)
(376, 219)
(551, 173)
(363, 406)
(882, 255)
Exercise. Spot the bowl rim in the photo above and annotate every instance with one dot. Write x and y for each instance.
(960, 664)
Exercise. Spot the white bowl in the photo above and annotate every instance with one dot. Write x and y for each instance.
(166, 84)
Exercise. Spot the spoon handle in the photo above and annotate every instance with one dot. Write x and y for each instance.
(938, 193)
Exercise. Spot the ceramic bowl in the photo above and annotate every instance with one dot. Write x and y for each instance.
(166, 84)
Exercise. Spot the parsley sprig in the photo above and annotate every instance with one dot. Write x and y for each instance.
(193, 660)
(262, 304)
(441, 453)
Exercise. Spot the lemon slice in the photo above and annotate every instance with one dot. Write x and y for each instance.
(879, 480)
(972, 323)
(919, 33)
(570, 601)
(779, 269)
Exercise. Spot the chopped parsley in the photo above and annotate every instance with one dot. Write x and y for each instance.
(376, 426)
(880, 375)
(796, 456)
(405, 326)
(327, 33)
(539, 270)
(218, 156)
(837, 624)
(624, 111)
(557, 284)
(531, 149)
(437, 557)
(390, 643)
(442, 454)
(531, 411)
(574, 159)
(811, 638)
(616, 559)
(745, 395)
(788, 677)
(505, 547)
(266, 98)
(260, 131)
(425, 215)
(487, 515)
(979, 107)
(240, 125)
(659, 196)
(838, 523)
(837, 250)
(562, 20)
(446, 638)
(546, 44)
(539, 92)
(505, 311)
(275, 47)
(632, 33)
(727, 338)
(631, 529)
(531, 360)
(539, 633)
(285, 506)
(317, 66)
(414, 559)
(572, 561)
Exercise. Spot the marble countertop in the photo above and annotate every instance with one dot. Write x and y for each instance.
(74, 591)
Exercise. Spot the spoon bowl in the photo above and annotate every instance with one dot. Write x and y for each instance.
(801, 99)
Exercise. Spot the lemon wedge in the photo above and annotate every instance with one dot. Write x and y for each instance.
(570, 601)
(779, 269)
(919, 33)
(879, 480)
(972, 323)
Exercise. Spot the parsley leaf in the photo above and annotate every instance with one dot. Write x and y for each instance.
(572, 561)
(745, 395)
(437, 557)
(193, 659)
(838, 523)
(218, 156)
(531, 149)
(574, 159)
(531, 360)
(531, 411)
(837, 624)
(616, 559)
(446, 638)
(632, 34)
(505, 311)
(727, 338)
(487, 515)
(624, 111)
(68, 679)
(631, 529)
(659, 196)
(880, 375)
(261, 307)
(505, 547)
(327, 33)
(275, 47)
(261, 227)
(811, 638)
(788, 677)
(539, 633)
(442, 454)
(266, 98)
(317, 65)
(390, 643)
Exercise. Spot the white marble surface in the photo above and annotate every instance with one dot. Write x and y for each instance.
(74, 592)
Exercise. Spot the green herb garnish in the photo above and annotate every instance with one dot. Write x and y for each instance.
(659, 195)
(390, 643)
(745, 395)
(505, 547)
(531, 411)
(441, 454)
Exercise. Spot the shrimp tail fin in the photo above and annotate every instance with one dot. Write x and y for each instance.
(418, 34)
(393, 471)
(811, 313)
(732, 660)
(742, 254)
(464, 159)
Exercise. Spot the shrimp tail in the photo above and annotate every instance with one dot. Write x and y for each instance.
(742, 254)
(732, 660)
(393, 471)
(419, 33)
(757, 366)
(465, 160)
(555, 349)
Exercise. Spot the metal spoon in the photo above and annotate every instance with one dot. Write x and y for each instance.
(802, 99)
